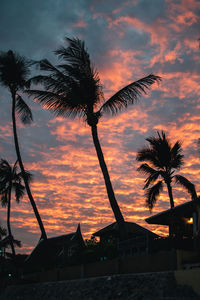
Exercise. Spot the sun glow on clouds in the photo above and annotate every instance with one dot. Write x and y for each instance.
(68, 185)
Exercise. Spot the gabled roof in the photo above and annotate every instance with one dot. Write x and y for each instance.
(183, 210)
(47, 251)
(132, 228)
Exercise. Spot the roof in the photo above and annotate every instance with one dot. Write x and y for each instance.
(132, 228)
(48, 250)
(183, 210)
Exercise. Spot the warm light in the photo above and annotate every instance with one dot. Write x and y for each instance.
(190, 221)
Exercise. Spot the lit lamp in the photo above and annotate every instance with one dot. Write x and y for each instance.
(190, 221)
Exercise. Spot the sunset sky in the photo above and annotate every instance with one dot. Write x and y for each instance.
(127, 40)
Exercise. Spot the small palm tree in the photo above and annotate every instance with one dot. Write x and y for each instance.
(164, 159)
(14, 70)
(10, 181)
(3, 233)
(5, 241)
(74, 89)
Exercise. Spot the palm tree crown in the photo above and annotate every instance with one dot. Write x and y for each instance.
(14, 72)
(73, 88)
(164, 159)
(11, 179)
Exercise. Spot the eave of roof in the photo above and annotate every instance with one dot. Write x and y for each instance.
(183, 210)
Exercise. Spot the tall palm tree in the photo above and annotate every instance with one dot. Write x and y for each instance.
(74, 89)
(14, 70)
(10, 181)
(164, 159)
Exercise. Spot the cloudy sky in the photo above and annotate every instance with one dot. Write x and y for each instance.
(127, 40)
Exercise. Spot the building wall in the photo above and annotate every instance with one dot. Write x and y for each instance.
(190, 278)
(161, 285)
(163, 261)
(158, 262)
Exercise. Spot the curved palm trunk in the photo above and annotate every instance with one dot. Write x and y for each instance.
(111, 196)
(8, 224)
(44, 236)
(171, 225)
(169, 188)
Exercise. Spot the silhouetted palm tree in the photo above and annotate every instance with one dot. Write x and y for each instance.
(10, 180)
(74, 89)
(14, 70)
(3, 232)
(164, 160)
(5, 241)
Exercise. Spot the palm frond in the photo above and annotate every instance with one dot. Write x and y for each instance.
(153, 174)
(19, 191)
(187, 184)
(4, 164)
(28, 175)
(152, 194)
(23, 110)
(129, 94)
(6, 242)
(51, 83)
(151, 179)
(75, 53)
(148, 154)
(176, 156)
(156, 141)
(3, 232)
(4, 199)
(45, 65)
(17, 243)
(57, 103)
(161, 148)
(146, 169)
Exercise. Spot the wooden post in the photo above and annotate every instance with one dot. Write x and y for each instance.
(195, 229)
(198, 219)
(194, 224)
(147, 243)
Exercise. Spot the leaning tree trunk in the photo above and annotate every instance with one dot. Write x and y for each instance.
(169, 188)
(44, 236)
(8, 224)
(171, 225)
(111, 196)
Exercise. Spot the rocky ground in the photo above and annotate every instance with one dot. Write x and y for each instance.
(149, 286)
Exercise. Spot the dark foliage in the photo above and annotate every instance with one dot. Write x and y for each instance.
(164, 159)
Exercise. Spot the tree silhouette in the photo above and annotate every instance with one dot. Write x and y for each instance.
(164, 159)
(10, 181)
(5, 241)
(14, 70)
(74, 89)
